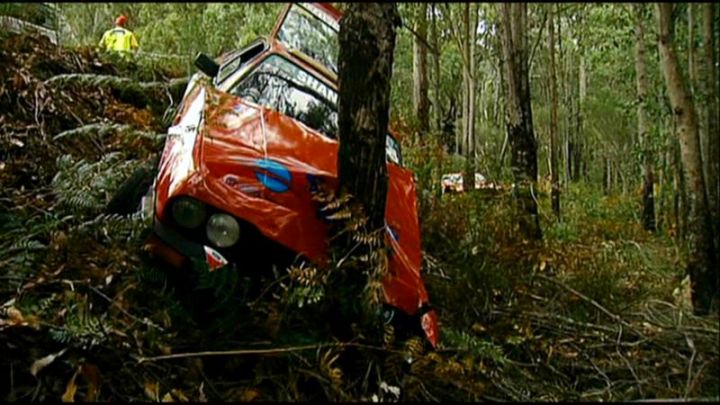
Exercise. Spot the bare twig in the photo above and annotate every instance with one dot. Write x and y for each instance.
(691, 344)
(591, 301)
(108, 299)
(242, 352)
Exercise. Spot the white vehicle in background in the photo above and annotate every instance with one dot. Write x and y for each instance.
(453, 183)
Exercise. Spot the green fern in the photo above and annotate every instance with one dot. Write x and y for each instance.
(81, 329)
(476, 346)
(84, 187)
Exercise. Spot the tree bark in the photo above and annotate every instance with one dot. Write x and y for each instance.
(710, 95)
(579, 141)
(518, 115)
(367, 41)
(555, 191)
(691, 47)
(420, 76)
(701, 261)
(470, 141)
(465, 38)
(680, 204)
(648, 211)
(437, 115)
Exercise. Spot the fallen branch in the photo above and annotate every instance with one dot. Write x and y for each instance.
(102, 130)
(90, 79)
(242, 352)
(145, 321)
(591, 301)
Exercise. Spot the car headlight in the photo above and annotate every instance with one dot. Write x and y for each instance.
(223, 230)
(188, 212)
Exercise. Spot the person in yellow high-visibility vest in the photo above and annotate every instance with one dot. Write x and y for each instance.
(119, 39)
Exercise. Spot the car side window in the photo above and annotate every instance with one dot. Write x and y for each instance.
(237, 61)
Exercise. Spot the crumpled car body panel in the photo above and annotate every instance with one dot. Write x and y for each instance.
(262, 167)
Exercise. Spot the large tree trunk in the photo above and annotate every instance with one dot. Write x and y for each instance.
(367, 42)
(710, 95)
(648, 211)
(518, 115)
(555, 192)
(420, 76)
(702, 261)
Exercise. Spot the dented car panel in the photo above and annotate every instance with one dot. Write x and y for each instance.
(262, 167)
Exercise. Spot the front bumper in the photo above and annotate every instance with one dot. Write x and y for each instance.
(170, 246)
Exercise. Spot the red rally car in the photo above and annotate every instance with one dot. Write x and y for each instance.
(248, 147)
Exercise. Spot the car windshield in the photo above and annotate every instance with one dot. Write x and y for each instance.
(310, 31)
(283, 86)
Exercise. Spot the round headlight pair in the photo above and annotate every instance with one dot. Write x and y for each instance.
(222, 229)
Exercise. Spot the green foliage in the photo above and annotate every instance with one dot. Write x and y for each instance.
(172, 34)
(479, 348)
(85, 187)
(43, 14)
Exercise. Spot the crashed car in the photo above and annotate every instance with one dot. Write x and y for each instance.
(253, 137)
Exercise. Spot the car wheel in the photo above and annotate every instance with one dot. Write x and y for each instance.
(126, 199)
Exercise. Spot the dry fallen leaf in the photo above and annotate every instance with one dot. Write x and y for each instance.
(152, 390)
(179, 395)
(71, 389)
(249, 395)
(40, 364)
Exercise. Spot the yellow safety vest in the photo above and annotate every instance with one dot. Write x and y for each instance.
(118, 39)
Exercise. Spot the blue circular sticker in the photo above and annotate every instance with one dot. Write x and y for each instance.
(273, 175)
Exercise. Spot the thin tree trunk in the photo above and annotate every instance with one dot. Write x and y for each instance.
(710, 95)
(467, 48)
(648, 211)
(472, 99)
(437, 113)
(661, 211)
(518, 115)
(702, 261)
(420, 77)
(680, 197)
(567, 148)
(579, 141)
(555, 191)
(367, 42)
(691, 47)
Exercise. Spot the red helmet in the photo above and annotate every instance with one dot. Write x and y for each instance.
(121, 20)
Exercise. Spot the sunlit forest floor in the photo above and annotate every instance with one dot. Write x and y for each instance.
(596, 311)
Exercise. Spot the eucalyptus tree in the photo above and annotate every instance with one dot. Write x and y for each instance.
(555, 191)
(648, 211)
(421, 103)
(465, 36)
(710, 98)
(366, 42)
(518, 115)
(702, 264)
